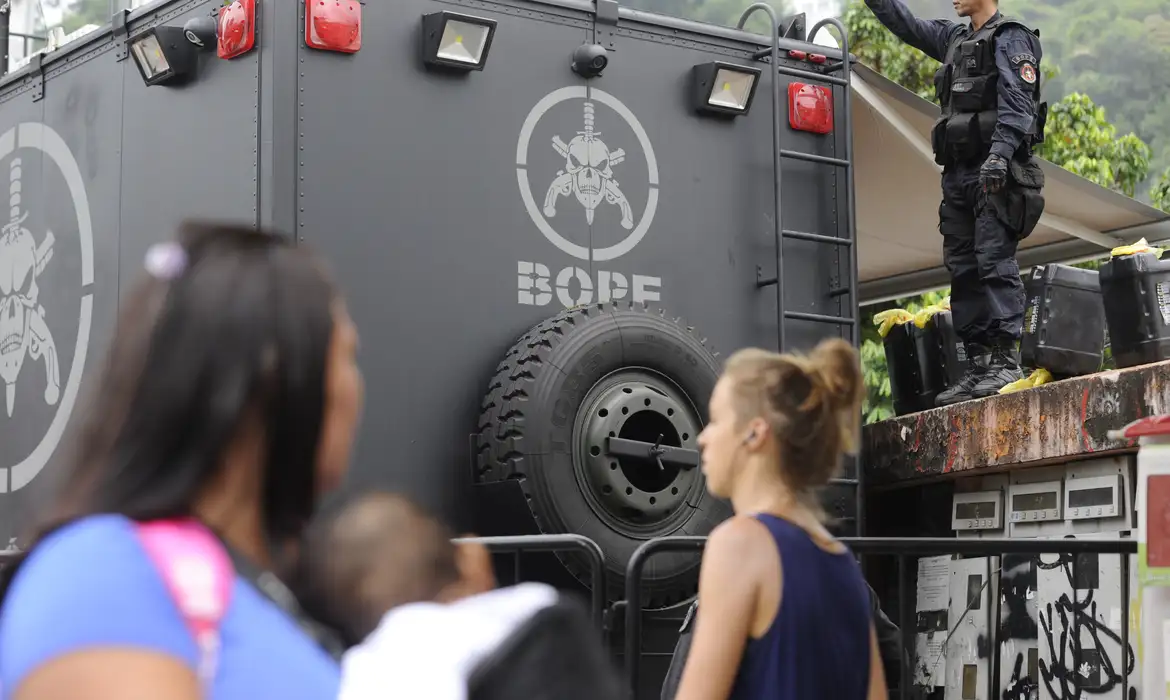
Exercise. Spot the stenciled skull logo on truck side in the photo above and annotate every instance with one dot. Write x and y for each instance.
(23, 331)
(588, 173)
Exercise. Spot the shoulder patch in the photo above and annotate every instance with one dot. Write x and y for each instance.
(1021, 57)
(1027, 73)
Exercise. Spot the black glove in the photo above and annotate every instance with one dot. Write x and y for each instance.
(993, 174)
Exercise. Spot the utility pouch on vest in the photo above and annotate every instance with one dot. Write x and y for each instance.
(985, 123)
(962, 136)
(968, 94)
(1020, 204)
(938, 141)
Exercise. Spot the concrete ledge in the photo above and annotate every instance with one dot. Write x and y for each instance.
(1061, 421)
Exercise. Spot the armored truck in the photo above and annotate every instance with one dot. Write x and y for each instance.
(551, 219)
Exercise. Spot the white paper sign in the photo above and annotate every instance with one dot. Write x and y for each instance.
(934, 582)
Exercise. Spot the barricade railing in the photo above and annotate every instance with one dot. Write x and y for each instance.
(899, 547)
(524, 544)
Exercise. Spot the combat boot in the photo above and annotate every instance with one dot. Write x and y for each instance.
(1003, 369)
(978, 359)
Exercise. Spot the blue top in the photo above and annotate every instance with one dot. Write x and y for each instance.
(91, 583)
(817, 647)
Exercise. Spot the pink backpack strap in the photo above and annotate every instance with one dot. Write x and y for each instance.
(199, 575)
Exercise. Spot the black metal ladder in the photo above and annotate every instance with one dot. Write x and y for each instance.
(849, 285)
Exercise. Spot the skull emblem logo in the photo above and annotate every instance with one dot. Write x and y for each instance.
(23, 332)
(588, 173)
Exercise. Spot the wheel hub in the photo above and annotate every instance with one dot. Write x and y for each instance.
(636, 439)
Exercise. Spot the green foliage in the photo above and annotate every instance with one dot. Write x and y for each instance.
(1160, 192)
(1081, 139)
(1119, 53)
(878, 48)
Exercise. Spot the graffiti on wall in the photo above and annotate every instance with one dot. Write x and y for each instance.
(1080, 652)
(1018, 631)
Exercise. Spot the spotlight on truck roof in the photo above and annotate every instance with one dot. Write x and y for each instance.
(456, 41)
(164, 55)
(724, 88)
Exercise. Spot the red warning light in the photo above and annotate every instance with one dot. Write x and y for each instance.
(333, 25)
(810, 108)
(236, 34)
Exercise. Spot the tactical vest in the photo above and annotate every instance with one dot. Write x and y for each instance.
(967, 89)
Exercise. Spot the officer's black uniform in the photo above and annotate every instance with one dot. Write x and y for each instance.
(989, 91)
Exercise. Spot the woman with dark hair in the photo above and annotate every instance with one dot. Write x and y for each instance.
(228, 406)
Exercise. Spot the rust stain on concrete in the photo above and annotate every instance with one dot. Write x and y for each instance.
(1063, 419)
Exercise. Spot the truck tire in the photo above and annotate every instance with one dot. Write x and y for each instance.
(596, 412)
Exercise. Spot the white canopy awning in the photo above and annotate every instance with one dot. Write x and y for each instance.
(898, 191)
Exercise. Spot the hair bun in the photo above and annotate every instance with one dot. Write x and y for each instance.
(838, 367)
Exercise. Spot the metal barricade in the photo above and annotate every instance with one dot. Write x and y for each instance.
(520, 544)
(899, 547)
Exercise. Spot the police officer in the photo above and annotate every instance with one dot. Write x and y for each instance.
(989, 91)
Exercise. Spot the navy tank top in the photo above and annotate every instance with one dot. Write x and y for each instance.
(817, 647)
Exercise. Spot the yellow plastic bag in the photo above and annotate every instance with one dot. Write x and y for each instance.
(1140, 247)
(886, 320)
(925, 315)
(1040, 376)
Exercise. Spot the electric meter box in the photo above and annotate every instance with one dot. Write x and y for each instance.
(977, 510)
(1035, 502)
(1099, 495)
(1093, 497)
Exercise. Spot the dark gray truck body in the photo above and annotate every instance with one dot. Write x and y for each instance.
(411, 183)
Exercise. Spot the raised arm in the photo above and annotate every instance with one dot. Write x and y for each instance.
(930, 36)
(1017, 57)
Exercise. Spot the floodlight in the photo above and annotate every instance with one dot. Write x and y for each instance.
(164, 55)
(724, 88)
(458, 41)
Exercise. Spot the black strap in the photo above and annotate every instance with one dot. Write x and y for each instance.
(271, 587)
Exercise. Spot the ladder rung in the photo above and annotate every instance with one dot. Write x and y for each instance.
(816, 237)
(845, 482)
(813, 75)
(818, 318)
(813, 158)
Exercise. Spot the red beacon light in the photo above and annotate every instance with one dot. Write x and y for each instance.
(333, 25)
(236, 29)
(810, 108)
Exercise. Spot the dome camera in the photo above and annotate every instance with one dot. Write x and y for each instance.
(201, 31)
(589, 60)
